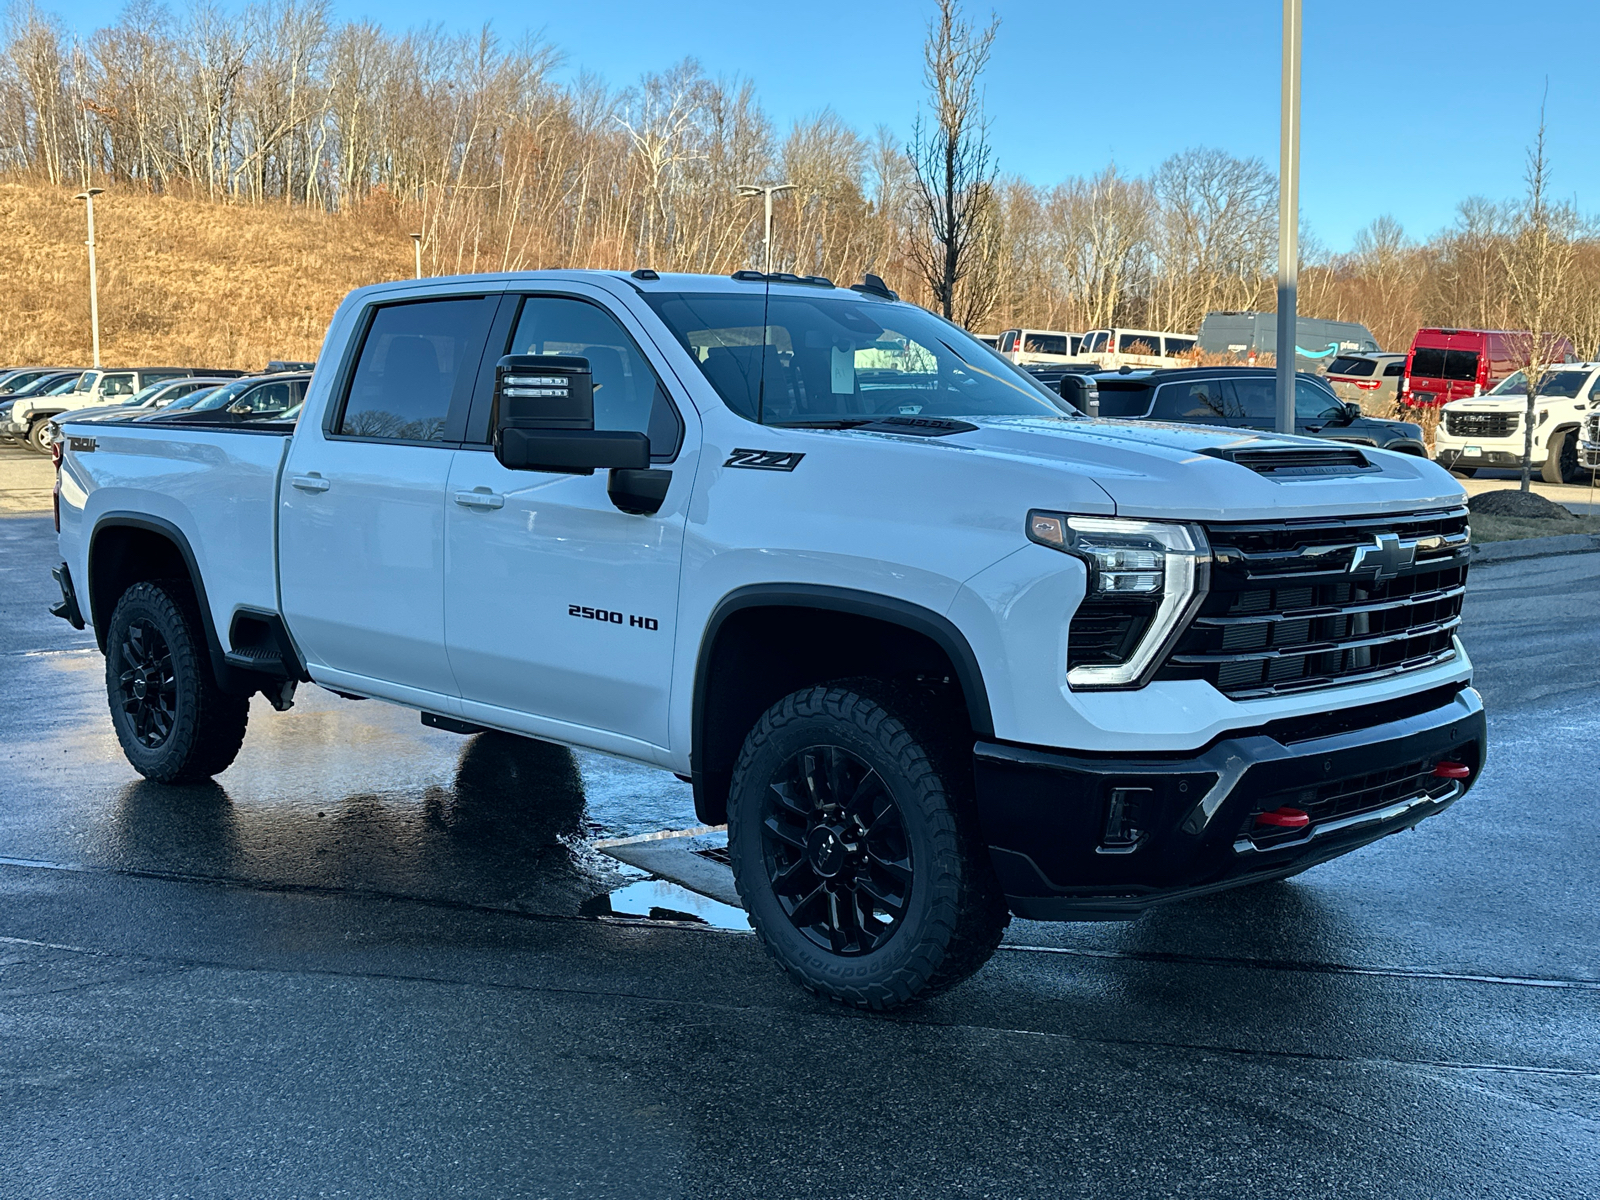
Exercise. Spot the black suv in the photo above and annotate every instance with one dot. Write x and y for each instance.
(1245, 397)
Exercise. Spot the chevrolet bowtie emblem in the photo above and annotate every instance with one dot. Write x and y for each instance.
(1385, 558)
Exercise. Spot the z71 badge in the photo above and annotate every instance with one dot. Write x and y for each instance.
(764, 460)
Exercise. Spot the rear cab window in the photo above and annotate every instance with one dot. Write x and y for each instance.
(1120, 398)
(1351, 366)
(416, 360)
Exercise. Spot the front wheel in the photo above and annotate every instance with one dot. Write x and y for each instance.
(1561, 461)
(175, 724)
(854, 849)
(39, 436)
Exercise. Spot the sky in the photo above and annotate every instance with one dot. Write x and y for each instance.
(1407, 108)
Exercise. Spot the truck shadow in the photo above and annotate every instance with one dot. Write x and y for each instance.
(506, 832)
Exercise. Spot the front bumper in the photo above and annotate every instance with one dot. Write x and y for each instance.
(1061, 855)
(1449, 457)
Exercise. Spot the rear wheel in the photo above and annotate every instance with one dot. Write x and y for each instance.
(175, 724)
(1561, 463)
(854, 849)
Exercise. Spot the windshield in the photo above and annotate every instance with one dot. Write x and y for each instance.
(822, 360)
(216, 399)
(1562, 385)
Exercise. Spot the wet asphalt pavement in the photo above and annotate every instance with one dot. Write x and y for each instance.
(360, 965)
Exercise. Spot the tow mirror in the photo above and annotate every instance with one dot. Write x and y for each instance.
(1352, 411)
(544, 405)
(1080, 392)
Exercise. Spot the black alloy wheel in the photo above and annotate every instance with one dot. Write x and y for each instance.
(1561, 464)
(175, 722)
(836, 852)
(146, 684)
(855, 845)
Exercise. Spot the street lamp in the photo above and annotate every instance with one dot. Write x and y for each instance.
(416, 242)
(1288, 213)
(88, 195)
(766, 191)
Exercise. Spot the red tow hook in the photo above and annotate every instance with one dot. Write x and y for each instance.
(1453, 770)
(1284, 818)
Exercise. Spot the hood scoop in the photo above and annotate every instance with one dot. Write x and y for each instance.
(1299, 462)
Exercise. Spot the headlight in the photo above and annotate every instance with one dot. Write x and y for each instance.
(1146, 578)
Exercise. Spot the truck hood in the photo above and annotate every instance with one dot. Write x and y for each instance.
(1508, 403)
(1153, 469)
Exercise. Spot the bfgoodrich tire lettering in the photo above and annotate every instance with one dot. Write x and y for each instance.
(175, 724)
(868, 883)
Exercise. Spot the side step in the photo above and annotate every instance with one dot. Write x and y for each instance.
(450, 724)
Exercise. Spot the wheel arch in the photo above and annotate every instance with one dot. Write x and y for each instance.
(764, 641)
(127, 548)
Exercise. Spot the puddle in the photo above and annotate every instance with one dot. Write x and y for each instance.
(663, 900)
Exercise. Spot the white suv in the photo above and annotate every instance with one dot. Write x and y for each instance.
(1487, 430)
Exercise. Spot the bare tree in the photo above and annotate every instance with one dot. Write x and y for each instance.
(1537, 258)
(951, 156)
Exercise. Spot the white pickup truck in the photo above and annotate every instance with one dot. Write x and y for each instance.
(936, 648)
(1488, 430)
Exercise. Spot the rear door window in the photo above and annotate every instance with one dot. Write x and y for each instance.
(1397, 367)
(1428, 362)
(1314, 403)
(1460, 365)
(411, 360)
(1047, 343)
(1094, 342)
(1203, 401)
(1255, 400)
(117, 384)
(1179, 345)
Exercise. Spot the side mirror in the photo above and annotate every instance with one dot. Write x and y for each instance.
(545, 419)
(1352, 411)
(1080, 392)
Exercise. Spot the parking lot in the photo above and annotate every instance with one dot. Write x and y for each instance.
(372, 959)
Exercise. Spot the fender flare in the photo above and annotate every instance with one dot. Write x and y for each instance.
(934, 626)
(228, 676)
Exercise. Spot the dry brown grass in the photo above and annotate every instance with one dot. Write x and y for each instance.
(182, 282)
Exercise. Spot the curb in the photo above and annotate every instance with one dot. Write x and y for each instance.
(1542, 547)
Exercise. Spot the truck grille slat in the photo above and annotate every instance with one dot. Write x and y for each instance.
(1297, 605)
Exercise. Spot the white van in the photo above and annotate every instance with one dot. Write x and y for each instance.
(1023, 346)
(1135, 348)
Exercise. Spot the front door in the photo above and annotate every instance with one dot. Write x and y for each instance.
(362, 505)
(560, 609)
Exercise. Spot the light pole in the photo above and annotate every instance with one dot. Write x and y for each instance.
(766, 191)
(88, 195)
(1288, 213)
(416, 243)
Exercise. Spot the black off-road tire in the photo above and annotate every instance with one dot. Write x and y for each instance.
(192, 730)
(952, 911)
(1561, 461)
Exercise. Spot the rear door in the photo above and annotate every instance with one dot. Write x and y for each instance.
(560, 609)
(362, 505)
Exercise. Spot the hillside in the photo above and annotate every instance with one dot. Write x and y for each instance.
(181, 281)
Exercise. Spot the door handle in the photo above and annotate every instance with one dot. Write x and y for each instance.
(480, 500)
(310, 483)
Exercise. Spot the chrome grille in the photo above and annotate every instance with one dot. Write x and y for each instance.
(1295, 605)
(1481, 424)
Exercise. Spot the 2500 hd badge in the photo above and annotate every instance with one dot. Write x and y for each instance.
(611, 616)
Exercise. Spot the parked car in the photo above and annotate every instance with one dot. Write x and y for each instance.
(1589, 442)
(250, 398)
(1487, 431)
(1039, 345)
(932, 648)
(1451, 364)
(30, 419)
(1246, 398)
(1111, 348)
(19, 379)
(45, 386)
(1370, 380)
(151, 399)
(1317, 342)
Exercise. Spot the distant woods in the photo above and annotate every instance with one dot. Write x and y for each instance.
(502, 165)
